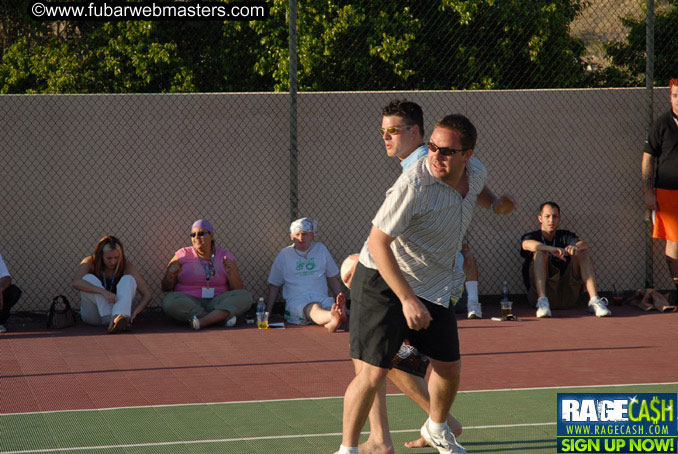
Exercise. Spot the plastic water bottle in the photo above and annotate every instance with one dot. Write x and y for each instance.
(262, 315)
(506, 312)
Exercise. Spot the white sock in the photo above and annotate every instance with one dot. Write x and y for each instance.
(594, 299)
(435, 427)
(346, 450)
(472, 290)
(542, 299)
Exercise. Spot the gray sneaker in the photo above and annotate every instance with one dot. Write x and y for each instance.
(445, 444)
(543, 308)
(598, 307)
(474, 309)
(3, 329)
(195, 323)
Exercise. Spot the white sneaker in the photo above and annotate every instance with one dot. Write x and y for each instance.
(543, 309)
(231, 322)
(195, 323)
(598, 306)
(445, 443)
(474, 309)
(3, 329)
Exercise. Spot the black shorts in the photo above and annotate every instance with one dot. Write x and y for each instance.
(378, 326)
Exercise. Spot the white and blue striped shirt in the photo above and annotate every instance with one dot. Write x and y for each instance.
(428, 219)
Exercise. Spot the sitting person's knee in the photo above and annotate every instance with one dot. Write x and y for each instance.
(128, 279)
(583, 255)
(311, 307)
(541, 256)
(169, 301)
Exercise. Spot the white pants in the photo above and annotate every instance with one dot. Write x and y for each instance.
(96, 310)
(294, 306)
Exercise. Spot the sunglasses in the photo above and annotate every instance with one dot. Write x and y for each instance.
(393, 130)
(445, 151)
(200, 234)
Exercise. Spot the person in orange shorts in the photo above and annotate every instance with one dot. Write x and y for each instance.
(660, 179)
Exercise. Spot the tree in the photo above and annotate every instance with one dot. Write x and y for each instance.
(357, 45)
(489, 44)
(129, 57)
(427, 44)
(628, 57)
(342, 45)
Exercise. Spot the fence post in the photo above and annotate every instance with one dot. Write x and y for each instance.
(294, 198)
(649, 86)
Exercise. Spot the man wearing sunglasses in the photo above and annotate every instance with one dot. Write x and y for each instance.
(403, 283)
(402, 131)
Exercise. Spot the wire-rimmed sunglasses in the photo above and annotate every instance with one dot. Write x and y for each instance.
(200, 234)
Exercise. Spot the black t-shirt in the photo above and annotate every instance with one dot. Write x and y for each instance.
(110, 284)
(662, 143)
(561, 239)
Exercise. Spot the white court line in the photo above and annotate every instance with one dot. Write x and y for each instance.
(231, 440)
(297, 399)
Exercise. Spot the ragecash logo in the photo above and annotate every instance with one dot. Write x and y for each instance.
(617, 422)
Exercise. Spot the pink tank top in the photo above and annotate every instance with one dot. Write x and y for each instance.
(192, 277)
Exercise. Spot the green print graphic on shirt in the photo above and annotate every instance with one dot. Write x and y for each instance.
(304, 268)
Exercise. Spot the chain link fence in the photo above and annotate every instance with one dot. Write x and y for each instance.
(555, 89)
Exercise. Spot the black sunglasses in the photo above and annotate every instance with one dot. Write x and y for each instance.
(445, 151)
(201, 234)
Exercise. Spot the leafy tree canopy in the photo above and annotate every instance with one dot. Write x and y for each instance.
(628, 57)
(342, 45)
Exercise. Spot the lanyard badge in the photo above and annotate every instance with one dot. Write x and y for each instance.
(209, 271)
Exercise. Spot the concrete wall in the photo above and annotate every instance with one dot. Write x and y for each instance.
(144, 167)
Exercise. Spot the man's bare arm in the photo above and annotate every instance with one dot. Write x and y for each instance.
(500, 205)
(537, 246)
(649, 168)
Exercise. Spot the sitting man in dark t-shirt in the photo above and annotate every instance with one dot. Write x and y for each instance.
(557, 267)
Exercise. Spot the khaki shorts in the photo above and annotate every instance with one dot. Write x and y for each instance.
(563, 290)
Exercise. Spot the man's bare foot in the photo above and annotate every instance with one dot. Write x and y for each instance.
(119, 324)
(341, 302)
(455, 425)
(371, 447)
(419, 443)
(335, 321)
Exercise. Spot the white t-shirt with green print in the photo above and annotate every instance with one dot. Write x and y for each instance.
(299, 272)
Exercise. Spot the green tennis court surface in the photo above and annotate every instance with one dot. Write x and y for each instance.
(510, 421)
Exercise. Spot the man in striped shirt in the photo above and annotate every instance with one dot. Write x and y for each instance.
(403, 283)
(402, 129)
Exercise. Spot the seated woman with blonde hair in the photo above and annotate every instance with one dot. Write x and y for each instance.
(108, 283)
(205, 283)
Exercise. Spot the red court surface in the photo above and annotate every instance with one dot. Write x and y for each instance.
(161, 363)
